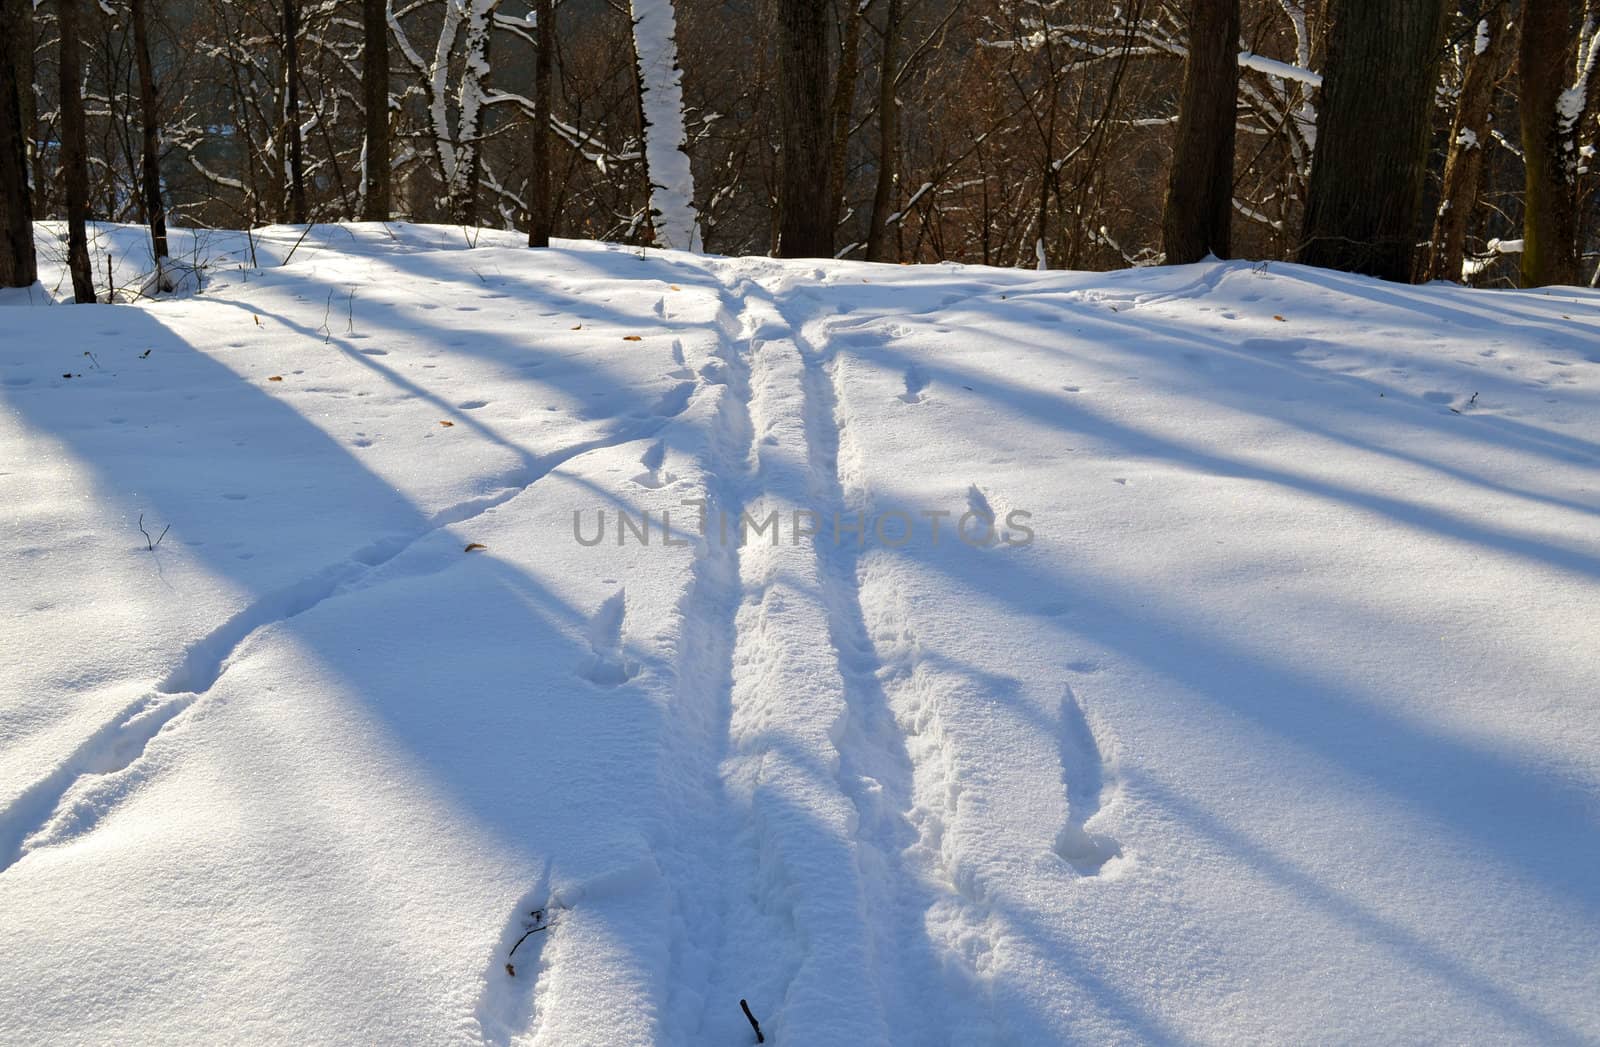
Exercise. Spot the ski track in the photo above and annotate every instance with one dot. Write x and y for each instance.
(932, 916)
(822, 920)
(829, 875)
(47, 806)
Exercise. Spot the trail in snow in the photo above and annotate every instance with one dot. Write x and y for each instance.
(69, 801)
(1288, 616)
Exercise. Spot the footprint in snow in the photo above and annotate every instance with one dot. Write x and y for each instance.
(653, 478)
(916, 381)
(1084, 774)
(674, 401)
(472, 405)
(609, 666)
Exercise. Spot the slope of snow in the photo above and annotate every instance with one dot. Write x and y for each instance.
(1265, 714)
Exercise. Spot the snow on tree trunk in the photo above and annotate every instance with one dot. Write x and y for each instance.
(1463, 168)
(1549, 233)
(665, 138)
(461, 186)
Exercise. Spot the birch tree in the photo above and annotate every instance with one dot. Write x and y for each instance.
(667, 165)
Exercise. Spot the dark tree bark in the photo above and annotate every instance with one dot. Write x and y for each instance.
(541, 220)
(1469, 136)
(150, 152)
(647, 227)
(74, 153)
(888, 137)
(18, 267)
(289, 138)
(1364, 206)
(1198, 218)
(375, 100)
(804, 213)
(844, 99)
(1550, 203)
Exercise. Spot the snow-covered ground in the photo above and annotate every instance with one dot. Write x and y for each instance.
(1282, 728)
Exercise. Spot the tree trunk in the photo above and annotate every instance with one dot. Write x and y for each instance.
(375, 100)
(804, 230)
(1198, 218)
(542, 217)
(1364, 207)
(18, 267)
(675, 223)
(289, 138)
(1550, 205)
(844, 100)
(1469, 133)
(888, 138)
(74, 153)
(150, 152)
(462, 193)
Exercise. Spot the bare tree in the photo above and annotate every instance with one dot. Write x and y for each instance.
(376, 164)
(540, 207)
(1550, 115)
(1469, 138)
(888, 136)
(844, 98)
(294, 173)
(150, 139)
(74, 150)
(669, 179)
(804, 212)
(17, 263)
(1367, 178)
(1198, 218)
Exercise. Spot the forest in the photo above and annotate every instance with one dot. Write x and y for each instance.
(1410, 139)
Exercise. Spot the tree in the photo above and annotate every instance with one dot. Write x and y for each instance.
(1198, 216)
(294, 170)
(844, 98)
(661, 121)
(150, 150)
(1364, 206)
(804, 213)
(542, 211)
(74, 151)
(375, 102)
(18, 267)
(1550, 113)
(888, 137)
(1469, 133)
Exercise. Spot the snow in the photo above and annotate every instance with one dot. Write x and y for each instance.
(1281, 70)
(1277, 728)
